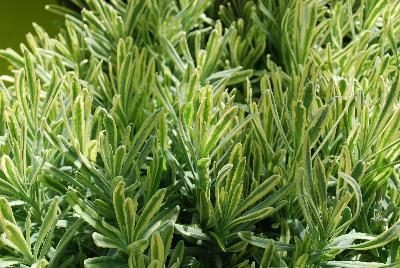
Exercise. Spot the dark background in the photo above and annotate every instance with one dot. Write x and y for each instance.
(16, 21)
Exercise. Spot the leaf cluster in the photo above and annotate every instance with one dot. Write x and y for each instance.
(203, 134)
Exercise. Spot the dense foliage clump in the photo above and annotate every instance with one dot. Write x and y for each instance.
(204, 134)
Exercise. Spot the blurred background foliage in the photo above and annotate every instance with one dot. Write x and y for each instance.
(16, 21)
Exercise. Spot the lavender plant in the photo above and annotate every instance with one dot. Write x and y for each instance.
(203, 134)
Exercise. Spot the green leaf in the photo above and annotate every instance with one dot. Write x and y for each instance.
(103, 241)
(79, 120)
(130, 207)
(263, 242)
(11, 172)
(157, 249)
(91, 217)
(64, 241)
(111, 131)
(6, 211)
(8, 263)
(141, 136)
(261, 191)
(374, 13)
(219, 130)
(192, 232)
(40, 264)
(258, 215)
(31, 77)
(106, 262)
(151, 208)
(356, 264)
(204, 206)
(317, 124)
(177, 254)
(49, 221)
(132, 15)
(118, 204)
(380, 240)
(277, 120)
(14, 234)
(267, 255)
(138, 246)
(299, 119)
